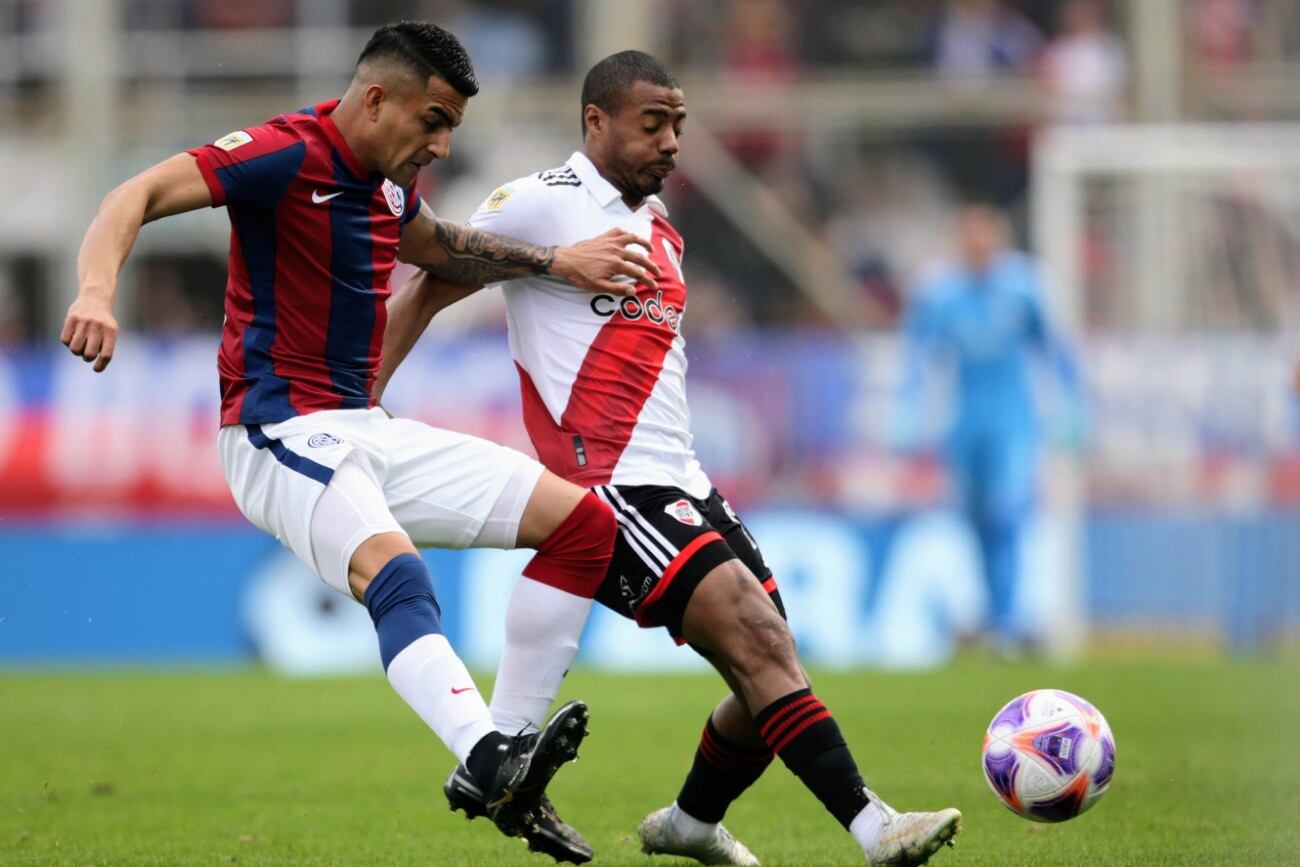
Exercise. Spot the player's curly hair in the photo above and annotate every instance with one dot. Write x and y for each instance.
(608, 82)
(426, 49)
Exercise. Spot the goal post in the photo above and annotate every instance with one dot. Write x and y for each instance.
(1172, 254)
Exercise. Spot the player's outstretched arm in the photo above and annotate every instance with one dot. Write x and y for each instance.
(410, 309)
(466, 255)
(171, 187)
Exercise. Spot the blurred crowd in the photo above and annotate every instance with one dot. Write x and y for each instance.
(880, 199)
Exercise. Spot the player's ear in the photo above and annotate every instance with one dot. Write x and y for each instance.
(593, 118)
(373, 98)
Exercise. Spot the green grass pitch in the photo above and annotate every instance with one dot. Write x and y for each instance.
(244, 768)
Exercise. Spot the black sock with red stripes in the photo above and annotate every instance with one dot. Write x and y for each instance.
(800, 730)
(722, 770)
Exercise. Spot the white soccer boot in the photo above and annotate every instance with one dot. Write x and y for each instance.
(660, 837)
(909, 839)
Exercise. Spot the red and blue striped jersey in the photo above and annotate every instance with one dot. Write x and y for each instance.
(312, 243)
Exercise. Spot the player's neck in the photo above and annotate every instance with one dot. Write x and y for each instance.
(349, 120)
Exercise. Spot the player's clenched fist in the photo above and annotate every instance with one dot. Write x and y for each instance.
(612, 262)
(90, 331)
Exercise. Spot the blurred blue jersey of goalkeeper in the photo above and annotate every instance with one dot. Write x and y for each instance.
(980, 319)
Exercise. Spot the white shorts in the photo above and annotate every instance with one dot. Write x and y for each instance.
(443, 489)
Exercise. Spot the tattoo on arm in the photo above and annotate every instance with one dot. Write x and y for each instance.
(482, 257)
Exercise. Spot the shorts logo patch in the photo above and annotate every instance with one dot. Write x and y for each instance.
(323, 440)
(232, 140)
(395, 197)
(634, 597)
(683, 511)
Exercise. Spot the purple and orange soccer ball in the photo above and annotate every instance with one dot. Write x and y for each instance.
(1049, 755)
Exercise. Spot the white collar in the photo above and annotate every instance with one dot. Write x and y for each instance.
(602, 190)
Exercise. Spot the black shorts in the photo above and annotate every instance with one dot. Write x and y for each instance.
(667, 542)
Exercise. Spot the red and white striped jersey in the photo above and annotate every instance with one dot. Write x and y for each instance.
(603, 378)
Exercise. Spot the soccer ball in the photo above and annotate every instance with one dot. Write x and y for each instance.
(1048, 755)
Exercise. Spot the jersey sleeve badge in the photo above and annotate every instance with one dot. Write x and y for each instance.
(498, 198)
(395, 197)
(232, 140)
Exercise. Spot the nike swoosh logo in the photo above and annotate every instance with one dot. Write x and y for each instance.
(318, 198)
(455, 691)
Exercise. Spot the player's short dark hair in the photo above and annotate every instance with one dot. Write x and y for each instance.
(608, 82)
(426, 49)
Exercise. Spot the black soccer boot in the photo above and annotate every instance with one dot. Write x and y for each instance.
(518, 804)
(549, 835)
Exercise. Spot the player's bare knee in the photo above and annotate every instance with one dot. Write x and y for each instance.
(766, 643)
(759, 639)
(372, 555)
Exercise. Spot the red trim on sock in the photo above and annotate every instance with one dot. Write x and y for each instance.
(726, 759)
(575, 557)
(778, 733)
(801, 728)
(714, 757)
(767, 729)
(752, 755)
(671, 572)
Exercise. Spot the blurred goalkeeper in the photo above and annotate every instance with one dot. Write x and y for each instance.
(981, 317)
(604, 394)
(322, 202)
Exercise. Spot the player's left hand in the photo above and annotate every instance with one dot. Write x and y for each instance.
(597, 263)
(90, 331)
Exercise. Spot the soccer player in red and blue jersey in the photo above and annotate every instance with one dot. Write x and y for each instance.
(322, 203)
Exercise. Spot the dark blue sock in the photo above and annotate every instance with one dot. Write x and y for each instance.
(402, 605)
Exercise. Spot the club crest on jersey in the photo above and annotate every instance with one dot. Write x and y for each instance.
(683, 511)
(395, 197)
(232, 140)
(324, 440)
(633, 309)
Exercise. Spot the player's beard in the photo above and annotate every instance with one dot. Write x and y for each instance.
(650, 186)
(639, 184)
(636, 180)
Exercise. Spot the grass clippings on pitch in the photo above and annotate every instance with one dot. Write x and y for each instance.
(245, 768)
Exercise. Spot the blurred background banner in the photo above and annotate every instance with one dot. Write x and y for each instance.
(783, 417)
(110, 491)
(1144, 153)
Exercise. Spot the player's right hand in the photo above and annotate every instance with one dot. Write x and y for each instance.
(90, 330)
(597, 263)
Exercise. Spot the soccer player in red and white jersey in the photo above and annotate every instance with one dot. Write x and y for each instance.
(603, 381)
(321, 202)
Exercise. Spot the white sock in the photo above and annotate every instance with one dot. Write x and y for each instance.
(429, 675)
(869, 822)
(543, 626)
(689, 828)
